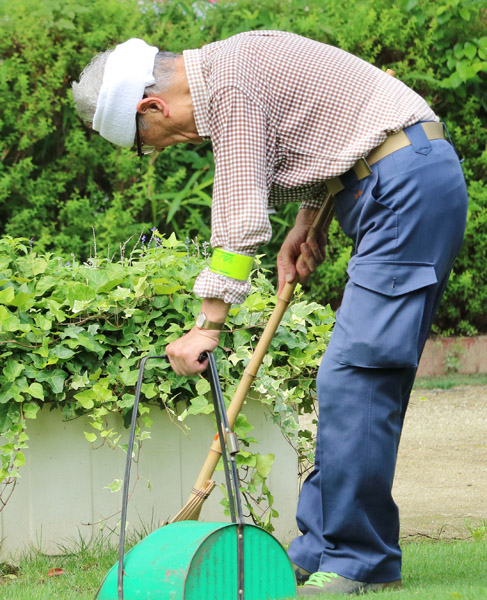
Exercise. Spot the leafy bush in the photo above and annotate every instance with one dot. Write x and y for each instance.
(72, 336)
(58, 179)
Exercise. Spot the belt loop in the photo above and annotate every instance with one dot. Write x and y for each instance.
(418, 139)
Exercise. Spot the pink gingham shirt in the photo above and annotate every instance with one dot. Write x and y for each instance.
(284, 113)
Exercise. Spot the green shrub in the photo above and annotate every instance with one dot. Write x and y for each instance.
(72, 336)
(58, 179)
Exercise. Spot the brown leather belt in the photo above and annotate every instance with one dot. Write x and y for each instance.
(396, 141)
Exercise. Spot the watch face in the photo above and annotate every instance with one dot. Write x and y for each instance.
(200, 320)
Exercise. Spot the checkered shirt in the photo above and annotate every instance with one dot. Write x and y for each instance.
(284, 113)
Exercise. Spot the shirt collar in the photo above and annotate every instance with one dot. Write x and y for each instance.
(198, 90)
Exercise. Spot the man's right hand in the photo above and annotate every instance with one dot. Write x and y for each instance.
(298, 244)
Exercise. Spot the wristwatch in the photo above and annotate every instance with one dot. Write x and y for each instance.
(204, 323)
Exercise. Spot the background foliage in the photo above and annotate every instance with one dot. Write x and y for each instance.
(58, 179)
(72, 335)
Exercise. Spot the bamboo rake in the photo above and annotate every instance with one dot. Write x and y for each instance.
(203, 487)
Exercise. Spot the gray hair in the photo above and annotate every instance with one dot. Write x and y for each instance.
(86, 91)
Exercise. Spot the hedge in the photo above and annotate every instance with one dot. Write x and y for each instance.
(58, 179)
(72, 335)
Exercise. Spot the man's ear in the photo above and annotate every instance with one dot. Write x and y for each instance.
(153, 103)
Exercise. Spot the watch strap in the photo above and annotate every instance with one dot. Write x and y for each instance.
(203, 322)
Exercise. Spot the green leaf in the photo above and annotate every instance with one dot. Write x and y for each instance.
(22, 299)
(42, 322)
(79, 296)
(202, 386)
(30, 409)
(199, 406)
(38, 265)
(86, 340)
(263, 464)
(7, 295)
(102, 393)
(127, 401)
(115, 486)
(45, 283)
(96, 277)
(121, 294)
(36, 391)
(167, 290)
(128, 377)
(19, 459)
(54, 378)
(91, 437)
(470, 50)
(465, 70)
(9, 414)
(12, 369)
(79, 381)
(242, 427)
(86, 398)
(149, 390)
(140, 286)
(8, 321)
(63, 352)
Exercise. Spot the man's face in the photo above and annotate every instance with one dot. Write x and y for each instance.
(164, 125)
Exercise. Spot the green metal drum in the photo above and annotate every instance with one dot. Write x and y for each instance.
(198, 561)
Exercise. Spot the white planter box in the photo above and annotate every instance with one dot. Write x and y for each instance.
(61, 494)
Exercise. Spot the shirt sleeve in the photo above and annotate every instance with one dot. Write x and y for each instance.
(239, 216)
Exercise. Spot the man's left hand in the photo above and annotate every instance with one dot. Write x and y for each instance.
(184, 352)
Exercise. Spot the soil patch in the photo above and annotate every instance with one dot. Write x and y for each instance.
(441, 475)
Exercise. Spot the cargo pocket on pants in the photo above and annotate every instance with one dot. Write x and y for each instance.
(379, 321)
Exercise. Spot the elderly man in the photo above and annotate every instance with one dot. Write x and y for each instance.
(290, 118)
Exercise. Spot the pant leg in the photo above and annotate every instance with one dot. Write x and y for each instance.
(407, 221)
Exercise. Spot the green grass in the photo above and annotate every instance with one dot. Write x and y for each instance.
(439, 571)
(445, 382)
(83, 573)
(433, 570)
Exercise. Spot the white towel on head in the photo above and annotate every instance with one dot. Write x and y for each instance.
(128, 71)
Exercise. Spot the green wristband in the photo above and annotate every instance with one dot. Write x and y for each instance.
(230, 264)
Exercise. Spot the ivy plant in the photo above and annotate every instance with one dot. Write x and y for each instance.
(72, 335)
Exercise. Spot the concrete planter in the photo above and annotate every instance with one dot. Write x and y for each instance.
(61, 494)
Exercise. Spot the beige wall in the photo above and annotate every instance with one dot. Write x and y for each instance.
(61, 493)
(466, 355)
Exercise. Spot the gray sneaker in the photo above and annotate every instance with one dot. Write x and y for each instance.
(331, 583)
(301, 574)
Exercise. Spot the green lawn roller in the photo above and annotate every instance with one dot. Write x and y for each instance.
(200, 561)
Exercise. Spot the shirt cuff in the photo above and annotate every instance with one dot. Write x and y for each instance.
(212, 285)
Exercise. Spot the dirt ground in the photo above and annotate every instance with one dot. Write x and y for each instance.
(441, 475)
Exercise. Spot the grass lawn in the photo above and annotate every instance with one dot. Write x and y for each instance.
(450, 380)
(433, 570)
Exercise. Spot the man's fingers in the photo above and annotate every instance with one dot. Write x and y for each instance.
(317, 250)
(311, 257)
(286, 270)
(186, 354)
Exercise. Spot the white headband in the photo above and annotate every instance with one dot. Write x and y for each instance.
(128, 71)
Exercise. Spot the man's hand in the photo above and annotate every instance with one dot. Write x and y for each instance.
(297, 243)
(184, 352)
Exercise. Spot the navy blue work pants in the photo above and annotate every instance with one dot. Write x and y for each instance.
(407, 221)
